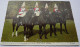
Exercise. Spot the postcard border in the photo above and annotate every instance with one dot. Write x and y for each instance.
(39, 43)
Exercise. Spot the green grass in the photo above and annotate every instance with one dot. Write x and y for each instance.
(71, 37)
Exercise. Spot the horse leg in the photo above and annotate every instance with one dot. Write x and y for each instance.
(45, 31)
(25, 33)
(31, 30)
(13, 29)
(17, 30)
(51, 30)
(27, 28)
(66, 28)
(40, 31)
(60, 28)
(54, 30)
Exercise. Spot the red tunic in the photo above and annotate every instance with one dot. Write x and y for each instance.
(54, 10)
(20, 11)
(35, 9)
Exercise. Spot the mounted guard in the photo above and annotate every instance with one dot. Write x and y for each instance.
(35, 17)
(46, 13)
(37, 9)
(22, 13)
(56, 8)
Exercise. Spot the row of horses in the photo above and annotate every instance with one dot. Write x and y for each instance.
(45, 17)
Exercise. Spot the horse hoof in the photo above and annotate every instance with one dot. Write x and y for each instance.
(67, 33)
(40, 38)
(12, 34)
(31, 34)
(60, 33)
(46, 38)
(16, 34)
(50, 35)
(55, 34)
(25, 40)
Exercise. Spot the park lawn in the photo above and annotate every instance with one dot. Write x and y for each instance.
(71, 37)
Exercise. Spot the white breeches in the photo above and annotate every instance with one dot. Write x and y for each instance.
(37, 13)
(22, 15)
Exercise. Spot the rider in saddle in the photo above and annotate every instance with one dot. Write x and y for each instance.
(36, 13)
(22, 13)
(46, 13)
(46, 8)
(37, 10)
(56, 9)
(56, 12)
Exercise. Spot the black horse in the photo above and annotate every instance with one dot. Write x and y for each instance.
(49, 20)
(23, 21)
(41, 21)
(58, 17)
(28, 22)
(45, 17)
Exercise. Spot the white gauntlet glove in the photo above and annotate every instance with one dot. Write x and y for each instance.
(17, 16)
